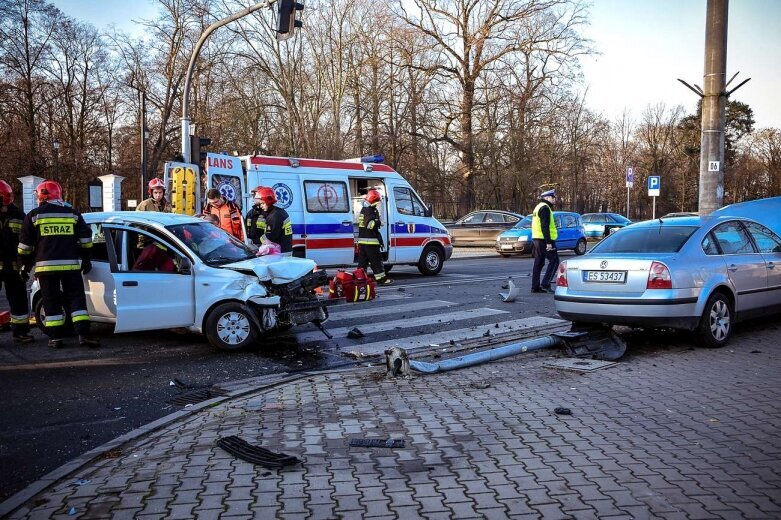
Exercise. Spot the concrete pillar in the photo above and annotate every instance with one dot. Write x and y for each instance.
(29, 200)
(112, 192)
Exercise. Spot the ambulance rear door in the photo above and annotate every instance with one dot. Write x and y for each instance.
(328, 219)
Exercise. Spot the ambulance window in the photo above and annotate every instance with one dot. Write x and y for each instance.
(326, 197)
(407, 203)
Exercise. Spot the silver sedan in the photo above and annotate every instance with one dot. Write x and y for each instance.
(692, 273)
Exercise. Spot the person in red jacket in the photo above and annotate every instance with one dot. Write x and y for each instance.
(11, 219)
(228, 213)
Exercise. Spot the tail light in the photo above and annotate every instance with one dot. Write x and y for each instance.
(659, 277)
(561, 277)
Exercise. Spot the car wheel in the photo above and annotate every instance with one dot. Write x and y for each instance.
(716, 323)
(230, 327)
(580, 247)
(431, 261)
(40, 316)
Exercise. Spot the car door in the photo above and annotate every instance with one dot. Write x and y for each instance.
(467, 229)
(328, 219)
(150, 300)
(567, 228)
(745, 265)
(493, 225)
(410, 228)
(769, 245)
(99, 282)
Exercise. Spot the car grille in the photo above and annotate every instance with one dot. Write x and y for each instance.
(508, 239)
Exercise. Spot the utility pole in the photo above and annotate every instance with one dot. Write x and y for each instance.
(714, 107)
(191, 67)
(143, 142)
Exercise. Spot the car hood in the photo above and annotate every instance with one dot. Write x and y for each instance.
(275, 268)
(516, 233)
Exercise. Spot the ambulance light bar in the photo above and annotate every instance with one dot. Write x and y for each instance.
(379, 158)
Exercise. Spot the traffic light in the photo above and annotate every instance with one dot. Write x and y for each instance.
(286, 18)
(196, 143)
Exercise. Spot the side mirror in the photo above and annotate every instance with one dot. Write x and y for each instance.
(186, 267)
(428, 211)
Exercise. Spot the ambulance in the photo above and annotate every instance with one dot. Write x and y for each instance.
(324, 199)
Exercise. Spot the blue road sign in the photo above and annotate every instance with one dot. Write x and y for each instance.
(654, 184)
(630, 177)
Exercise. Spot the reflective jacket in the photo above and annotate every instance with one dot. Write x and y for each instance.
(256, 224)
(230, 217)
(369, 225)
(543, 223)
(11, 219)
(55, 237)
(279, 229)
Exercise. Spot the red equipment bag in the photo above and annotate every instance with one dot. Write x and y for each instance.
(353, 287)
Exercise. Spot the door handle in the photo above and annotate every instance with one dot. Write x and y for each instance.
(732, 268)
(347, 222)
(770, 265)
(130, 283)
(400, 223)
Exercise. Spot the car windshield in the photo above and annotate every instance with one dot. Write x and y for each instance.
(524, 223)
(619, 218)
(657, 239)
(212, 244)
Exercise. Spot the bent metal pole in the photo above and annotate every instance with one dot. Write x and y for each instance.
(191, 67)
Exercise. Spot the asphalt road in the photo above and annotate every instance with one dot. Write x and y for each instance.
(59, 404)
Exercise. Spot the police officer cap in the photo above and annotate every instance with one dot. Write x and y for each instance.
(549, 193)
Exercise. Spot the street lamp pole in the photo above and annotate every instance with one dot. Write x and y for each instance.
(56, 146)
(144, 136)
(191, 67)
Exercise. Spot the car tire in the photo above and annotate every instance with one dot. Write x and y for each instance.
(40, 315)
(431, 261)
(230, 327)
(716, 323)
(581, 247)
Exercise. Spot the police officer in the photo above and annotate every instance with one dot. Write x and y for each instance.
(279, 229)
(544, 236)
(370, 239)
(11, 219)
(57, 241)
(256, 219)
(156, 200)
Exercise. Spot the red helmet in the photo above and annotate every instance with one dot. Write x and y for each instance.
(372, 196)
(6, 193)
(155, 184)
(48, 190)
(266, 194)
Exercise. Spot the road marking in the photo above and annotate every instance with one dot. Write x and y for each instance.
(342, 312)
(74, 363)
(405, 323)
(443, 338)
(448, 282)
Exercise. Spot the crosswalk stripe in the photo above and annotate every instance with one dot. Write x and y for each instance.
(349, 311)
(405, 323)
(443, 338)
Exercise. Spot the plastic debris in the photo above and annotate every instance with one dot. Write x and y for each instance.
(480, 385)
(71, 511)
(560, 410)
(512, 292)
(353, 354)
(355, 333)
(81, 482)
(255, 454)
(377, 443)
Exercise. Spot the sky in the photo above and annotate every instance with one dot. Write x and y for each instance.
(643, 46)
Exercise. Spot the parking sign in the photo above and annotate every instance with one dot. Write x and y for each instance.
(630, 177)
(654, 184)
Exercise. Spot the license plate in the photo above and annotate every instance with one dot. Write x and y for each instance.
(604, 276)
(507, 246)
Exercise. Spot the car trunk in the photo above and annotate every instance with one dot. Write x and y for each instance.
(611, 274)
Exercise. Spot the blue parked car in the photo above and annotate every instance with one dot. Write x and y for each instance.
(600, 225)
(518, 239)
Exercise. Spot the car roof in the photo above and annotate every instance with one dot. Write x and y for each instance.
(685, 221)
(140, 217)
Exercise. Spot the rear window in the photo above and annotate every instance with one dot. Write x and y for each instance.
(661, 239)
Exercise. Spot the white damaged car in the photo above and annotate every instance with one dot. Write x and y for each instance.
(159, 271)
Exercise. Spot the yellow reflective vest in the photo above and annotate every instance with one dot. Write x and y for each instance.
(537, 223)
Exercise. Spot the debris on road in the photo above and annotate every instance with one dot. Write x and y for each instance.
(397, 362)
(355, 333)
(243, 450)
(354, 354)
(560, 410)
(512, 292)
(480, 385)
(377, 443)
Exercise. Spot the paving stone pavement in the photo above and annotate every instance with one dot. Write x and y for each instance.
(670, 433)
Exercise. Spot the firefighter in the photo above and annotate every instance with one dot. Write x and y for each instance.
(544, 236)
(228, 213)
(370, 239)
(256, 219)
(156, 200)
(11, 219)
(279, 229)
(56, 242)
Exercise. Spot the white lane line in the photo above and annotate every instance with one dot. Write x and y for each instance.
(344, 312)
(406, 323)
(448, 282)
(443, 338)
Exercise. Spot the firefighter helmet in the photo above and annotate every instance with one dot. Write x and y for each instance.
(372, 196)
(48, 190)
(155, 184)
(266, 194)
(6, 193)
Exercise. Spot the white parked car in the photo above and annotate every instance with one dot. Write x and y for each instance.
(158, 271)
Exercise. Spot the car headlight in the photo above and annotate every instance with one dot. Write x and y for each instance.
(523, 238)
